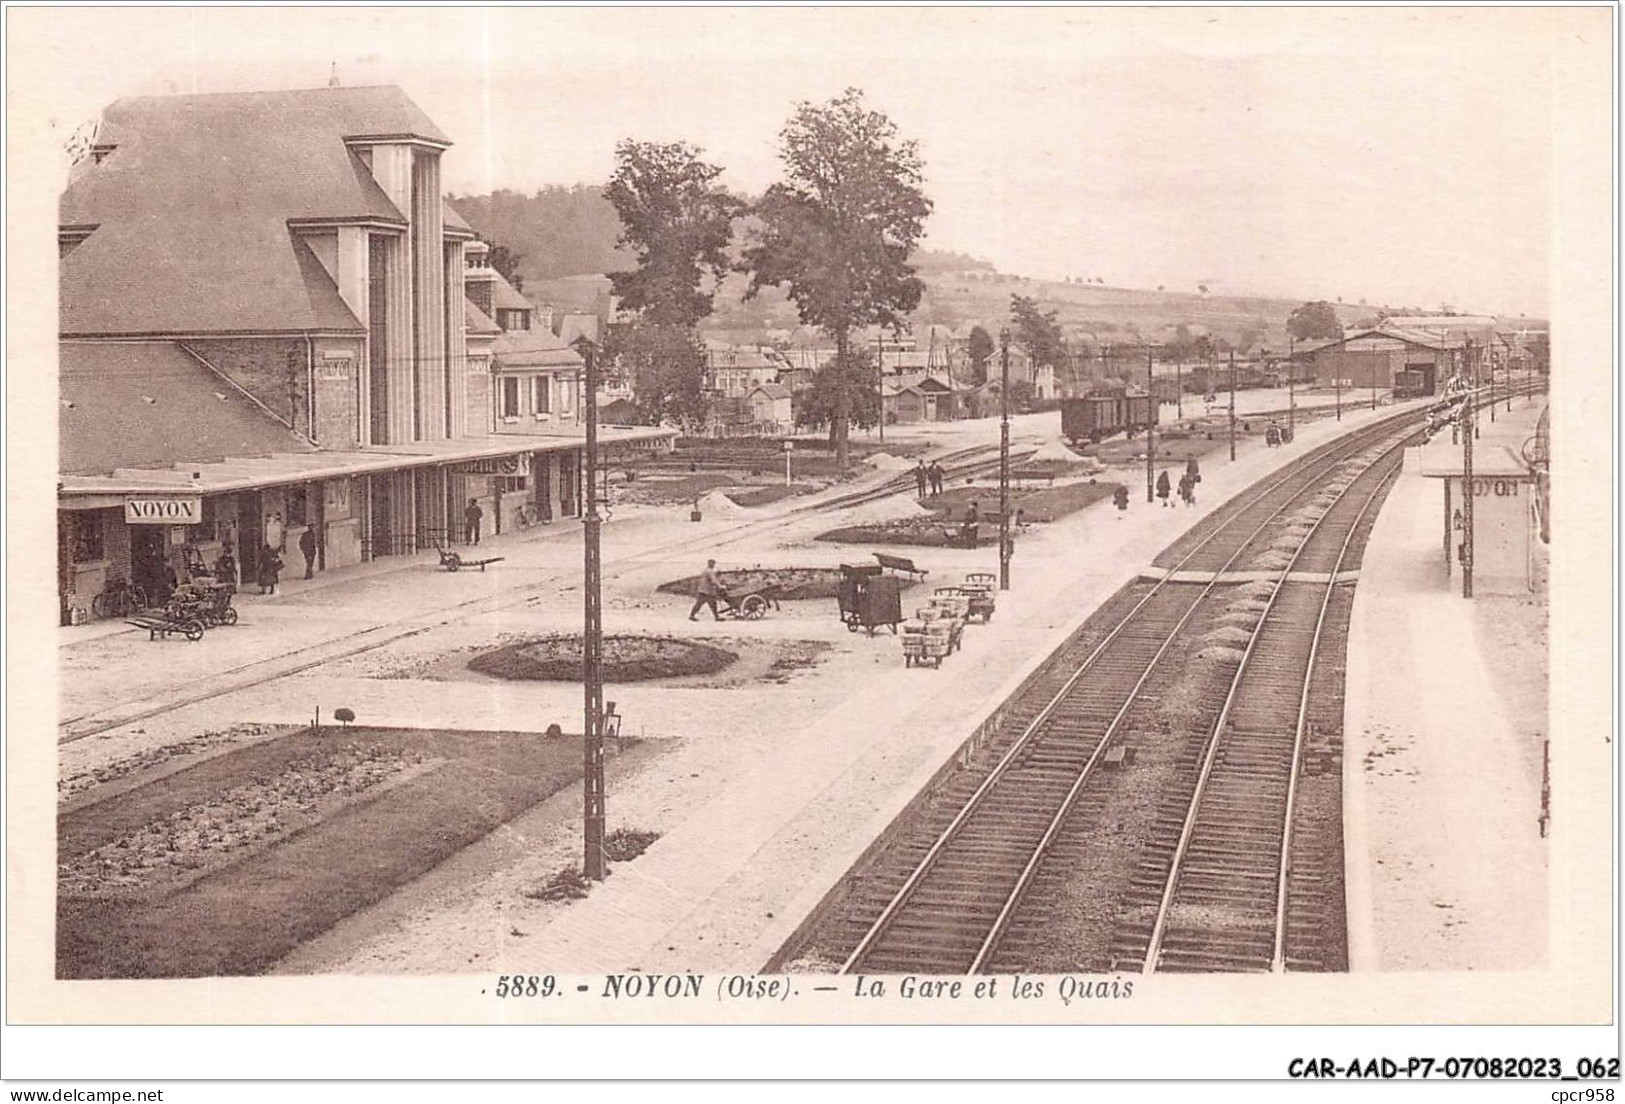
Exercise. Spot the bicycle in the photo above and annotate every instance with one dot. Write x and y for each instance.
(118, 598)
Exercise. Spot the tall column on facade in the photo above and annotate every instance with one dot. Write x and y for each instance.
(429, 295)
(457, 412)
(398, 282)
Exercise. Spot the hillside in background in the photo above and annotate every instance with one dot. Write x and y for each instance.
(565, 238)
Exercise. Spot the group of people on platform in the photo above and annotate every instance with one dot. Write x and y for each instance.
(928, 478)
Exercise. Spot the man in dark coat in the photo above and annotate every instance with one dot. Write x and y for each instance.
(307, 547)
(471, 522)
(270, 567)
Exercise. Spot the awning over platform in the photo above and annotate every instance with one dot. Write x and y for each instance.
(247, 473)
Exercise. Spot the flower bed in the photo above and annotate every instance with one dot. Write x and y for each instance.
(794, 584)
(627, 658)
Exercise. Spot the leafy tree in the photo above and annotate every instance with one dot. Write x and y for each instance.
(1037, 331)
(666, 365)
(677, 222)
(822, 403)
(1316, 320)
(839, 228)
(981, 348)
(506, 262)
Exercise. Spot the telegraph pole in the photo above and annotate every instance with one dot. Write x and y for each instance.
(1150, 429)
(1232, 404)
(592, 640)
(1004, 459)
(1468, 429)
(1338, 380)
(1291, 391)
(1489, 354)
(880, 381)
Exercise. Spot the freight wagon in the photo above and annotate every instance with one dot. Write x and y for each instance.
(1105, 411)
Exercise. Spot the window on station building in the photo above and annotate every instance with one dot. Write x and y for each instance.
(567, 386)
(510, 397)
(542, 387)
(85, 535)
(298, 513)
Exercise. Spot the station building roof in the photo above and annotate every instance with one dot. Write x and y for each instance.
(152, 404)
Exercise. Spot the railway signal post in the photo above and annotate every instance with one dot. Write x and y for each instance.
(592, 638)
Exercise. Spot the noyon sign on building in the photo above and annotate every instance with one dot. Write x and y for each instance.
(148, 510)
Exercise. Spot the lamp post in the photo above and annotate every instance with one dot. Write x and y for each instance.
(592, 640)
(1004, 458)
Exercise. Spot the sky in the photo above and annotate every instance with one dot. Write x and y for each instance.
(1395, 155)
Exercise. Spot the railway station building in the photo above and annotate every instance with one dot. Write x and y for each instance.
(266, 323)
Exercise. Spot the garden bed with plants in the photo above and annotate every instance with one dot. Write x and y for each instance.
(627, 658)
(228, 865)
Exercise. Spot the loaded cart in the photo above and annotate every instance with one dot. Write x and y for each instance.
(869, 599)
(979, 588)
(930, 636)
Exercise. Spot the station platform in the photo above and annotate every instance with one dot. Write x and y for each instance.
(765, 796)
(1444, 730)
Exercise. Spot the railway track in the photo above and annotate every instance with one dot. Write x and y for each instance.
(963, 891)
(968, 888)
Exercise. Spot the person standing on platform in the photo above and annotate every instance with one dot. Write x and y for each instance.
(1120, 500)
(471, 522)
(270, 568)
(307, 548)
(921, 477)
(273, 532)
(1162, 489)
(935, 473)
(225, 568)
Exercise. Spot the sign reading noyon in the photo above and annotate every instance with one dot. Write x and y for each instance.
(147, 510)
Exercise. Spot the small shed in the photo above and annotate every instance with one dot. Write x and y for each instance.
(1506, 513)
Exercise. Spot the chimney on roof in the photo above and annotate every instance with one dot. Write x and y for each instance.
(333, 76)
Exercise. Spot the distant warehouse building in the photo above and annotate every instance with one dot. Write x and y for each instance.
(1419, 363)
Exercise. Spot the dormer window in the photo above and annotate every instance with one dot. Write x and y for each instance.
(511, 320)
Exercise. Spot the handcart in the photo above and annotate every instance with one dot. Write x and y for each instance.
(208, 602)
(166, 620)
(451, 561)
(869, 599)
(930, 636)
(979, 589)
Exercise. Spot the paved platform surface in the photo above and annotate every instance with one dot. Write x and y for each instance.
(1444, 719)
